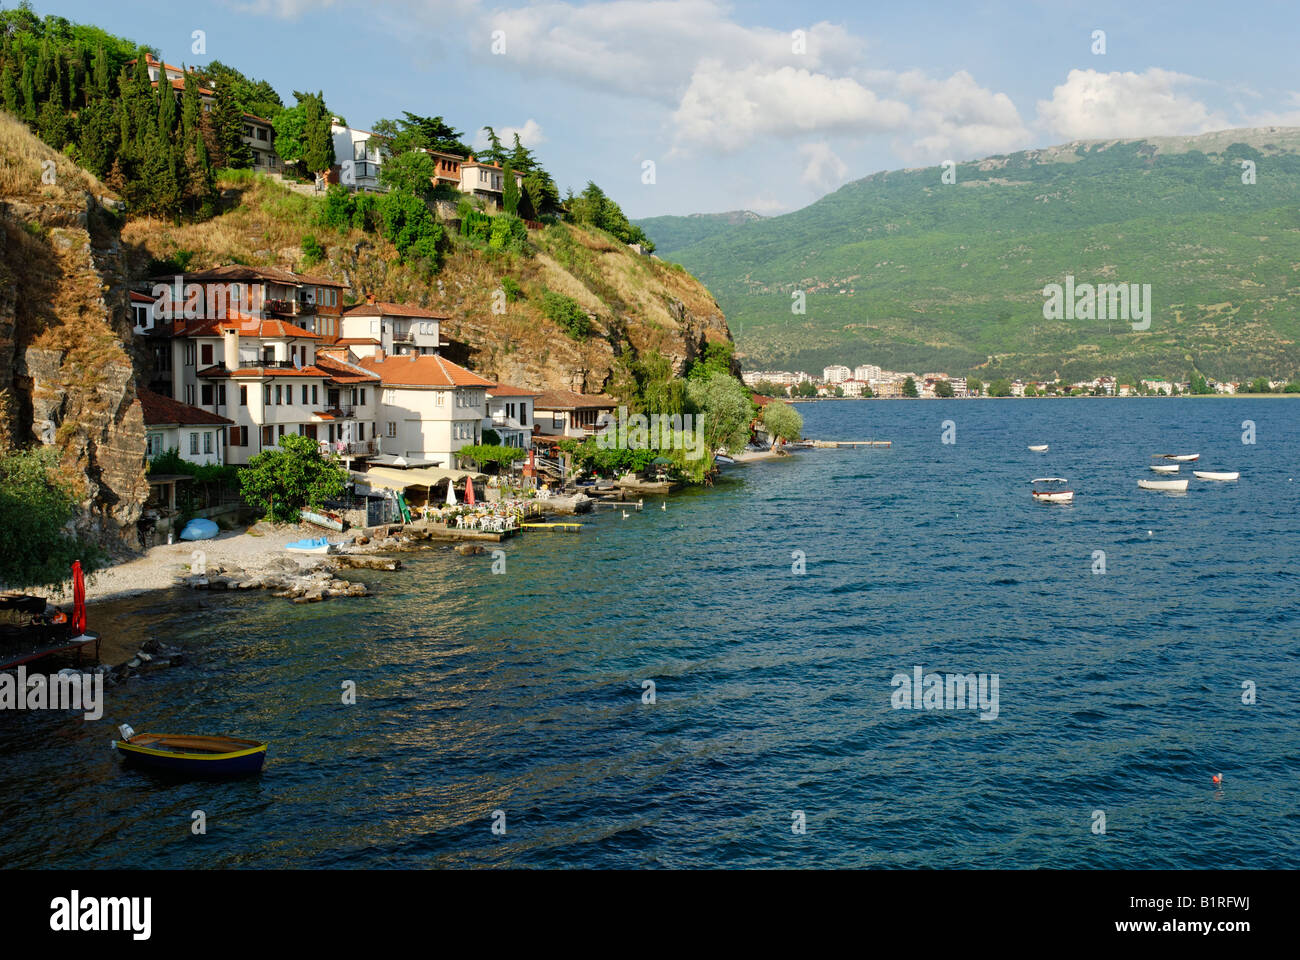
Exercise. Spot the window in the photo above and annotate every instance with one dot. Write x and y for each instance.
(205, 392)
(266, 394)
(557, 420)
(153, 445)
(261, 133)
(392, 429)
(205, 352)
(363, 396)
(207, 442)
(268, 436)
(523, 414)
(304, 394)
(243, 396)
(279, 432)
(221, 394)
(189, 353)
(390, 397)
(194, 443)
(442, 397)
(189, 394)
(314, 395)
(279, 395)
(248, 131)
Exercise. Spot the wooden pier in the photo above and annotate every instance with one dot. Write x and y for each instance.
(567, 527)
(833, 444)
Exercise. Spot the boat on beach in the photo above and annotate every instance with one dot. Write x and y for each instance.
(1216, 474)
(1173, 485)
(310, 545)
(1038, 447)
(1165, 467)
(1051, 494)
(191, 755)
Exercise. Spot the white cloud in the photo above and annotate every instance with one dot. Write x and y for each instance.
(728, 109)
(530, 135)
(958, 119)
(823, 170)
(1093, 106)
(1276, 118)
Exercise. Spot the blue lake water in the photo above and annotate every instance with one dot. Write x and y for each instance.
(1118, 692)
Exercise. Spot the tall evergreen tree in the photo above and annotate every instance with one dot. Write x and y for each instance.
(494, 153)
(318, 147)
(509, 190)
(190, 108)
(28, 90)
(100, 72)
(228, 131)
(9, 80)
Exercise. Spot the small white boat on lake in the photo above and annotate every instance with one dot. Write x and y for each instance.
(1216, 474)
(1051, 494)
(1165, 467)
(1172, 485)
(1038, 447)
(1183, 457)
(310, 545)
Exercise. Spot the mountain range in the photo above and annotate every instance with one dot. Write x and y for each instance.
(944, 268)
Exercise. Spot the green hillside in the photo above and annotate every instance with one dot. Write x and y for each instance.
(673, 233)
(902, 270)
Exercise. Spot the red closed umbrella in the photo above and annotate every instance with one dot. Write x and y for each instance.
(469, 491)
(78, 599)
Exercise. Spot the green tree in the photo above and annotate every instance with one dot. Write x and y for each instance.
(782, 420)
(974, 385)
(1000, 388)
(1259, 385)
(942, 388)
(567, 314)
(724, 411)
(411, 171)
(282, 482)
(36, 549)
(509, 190)
(491, 455)
(909, 387)
(228, 130)
(318, 137)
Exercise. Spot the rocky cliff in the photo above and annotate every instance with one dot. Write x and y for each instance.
(67, 377)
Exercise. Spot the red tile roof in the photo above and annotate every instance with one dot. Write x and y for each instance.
(239, 271)
(423, 370)
(249, 327)
(568, 400)
(506, 390)
(160, 410)
(382, 308)
(342, 371)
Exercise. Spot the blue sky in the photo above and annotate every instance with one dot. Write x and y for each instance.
(731, 108)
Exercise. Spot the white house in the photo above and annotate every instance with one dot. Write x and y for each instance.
(259, 135)
(358, 155)
(510, 414)
(429, 406)
(562, 413)
(198, 436)
(837, 373)
(396, 329)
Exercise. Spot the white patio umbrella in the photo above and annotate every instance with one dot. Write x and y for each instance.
(451, 493)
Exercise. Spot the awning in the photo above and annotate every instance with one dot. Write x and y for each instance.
(390, 478)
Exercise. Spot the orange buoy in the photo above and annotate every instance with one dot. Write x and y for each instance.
(1217, 778)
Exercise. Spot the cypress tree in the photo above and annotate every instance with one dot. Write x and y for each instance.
(510, 190)
(228, 124)
(168, 113)
(99, 72)
(318, 146)
(190, 108)
(29, 91)
(9, 79)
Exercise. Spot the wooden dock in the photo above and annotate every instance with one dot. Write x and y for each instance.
(570, 527)
(834, 444)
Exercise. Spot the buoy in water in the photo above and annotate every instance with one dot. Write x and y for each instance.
(1217, 778)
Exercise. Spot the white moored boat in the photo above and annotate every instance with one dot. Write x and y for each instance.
(1052, 495)
(1165, 467)
(1038, 447)
(1216, 475)
(1163, 484)
(1183, 457)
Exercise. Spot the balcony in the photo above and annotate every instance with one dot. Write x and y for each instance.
(290, 308)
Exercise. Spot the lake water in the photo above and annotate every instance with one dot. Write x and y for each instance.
(1119, 692)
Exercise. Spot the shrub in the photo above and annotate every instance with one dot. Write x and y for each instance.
(567, 314)
(510, 287)
(312, 252)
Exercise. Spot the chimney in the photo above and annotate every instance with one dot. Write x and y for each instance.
(231, 338)
(370, 298)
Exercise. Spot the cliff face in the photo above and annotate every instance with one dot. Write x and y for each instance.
(67, 377)
(635, 303)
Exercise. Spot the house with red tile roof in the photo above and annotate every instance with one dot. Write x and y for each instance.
(563, 413)
(395, 329)
(197, 435)
(175, 77)
(243, 344)
(429, 406)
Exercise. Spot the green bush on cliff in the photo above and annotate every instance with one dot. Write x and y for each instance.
(35, 506)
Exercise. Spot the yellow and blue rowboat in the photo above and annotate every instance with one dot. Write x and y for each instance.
(193, 755)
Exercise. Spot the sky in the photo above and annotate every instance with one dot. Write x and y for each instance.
(699, 106)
